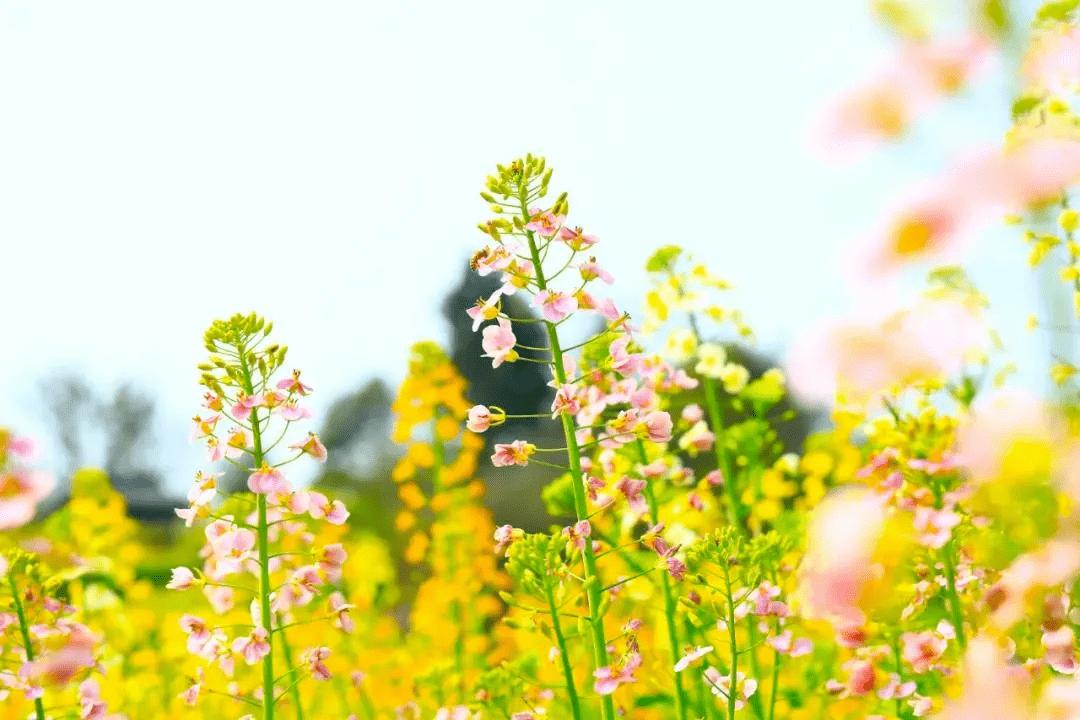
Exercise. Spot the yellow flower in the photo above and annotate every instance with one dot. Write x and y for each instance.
(1061, 372)
(817, 463)
(1069, 220)
(734, 377)
(711, 359)
(421, 455)
(411, 495)
(681, 345)
(446, 429)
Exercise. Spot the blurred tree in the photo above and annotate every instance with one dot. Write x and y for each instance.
(127, 420)
(357, 428)
(120, 426)
(69, 402)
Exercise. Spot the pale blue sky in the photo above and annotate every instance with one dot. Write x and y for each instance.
(162, 164)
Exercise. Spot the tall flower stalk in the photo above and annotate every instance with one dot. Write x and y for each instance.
(448, 530)
(671, 618)
(533, 248)
(271, 534)
(686, 290)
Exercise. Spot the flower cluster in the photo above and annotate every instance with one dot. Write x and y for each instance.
(271, 556)
(49, 656)
(21, 488)
(449, 531)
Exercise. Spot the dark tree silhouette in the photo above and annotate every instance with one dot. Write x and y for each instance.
(122, 425)
(356, 429)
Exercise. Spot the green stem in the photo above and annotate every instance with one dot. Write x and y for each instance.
(705, 691)
(592, 581)
(286, 652)
(723, 460)
(24, 628)
(954, 597)
(733, 647)
(948, 552)
(899, 670)
(669, 598)
(560, 639)
(456, 609)
(778, 657)
(755, 669)
(263, 530)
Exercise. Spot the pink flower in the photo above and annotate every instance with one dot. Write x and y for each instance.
(311, 446)
(331, 559)
(610, 677)
(591, 271)
(203, 489)
(1053, 60)
(896, 689)
(197, 631)
(676, 568)
(267, 480)
(236, 443)
(253, 647)
(340, 610)
(203, 427)
(292, 411)
(1002, 422)
(720, 685)
(656, 426)
(865, 358)
(861, 676)
(293, 385)
(515, 453)
(844, 532)
(786, 645)
(485, 309)
(981, 186)
(566, 401)
(505, 535)
(232, 548)
(692, 656)
(921, 650)
(458, 712)
(315, 660)
(21, 447)
(622, 361)
(917, 77)
(1060, 647)
(479, 419)
(70, 651)
(935, 526)
(245, 404)
(555, 306)
(576, 239)
(498, 343)
(20, 492)
(1049, 566)
(993, 687)
(632, 489)
(578, 533)
(190, 696)
(182, 579)
(544, 222)
(319, 507)
(692, 413)
(91, 706)
(488, 259)
(764, 602)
